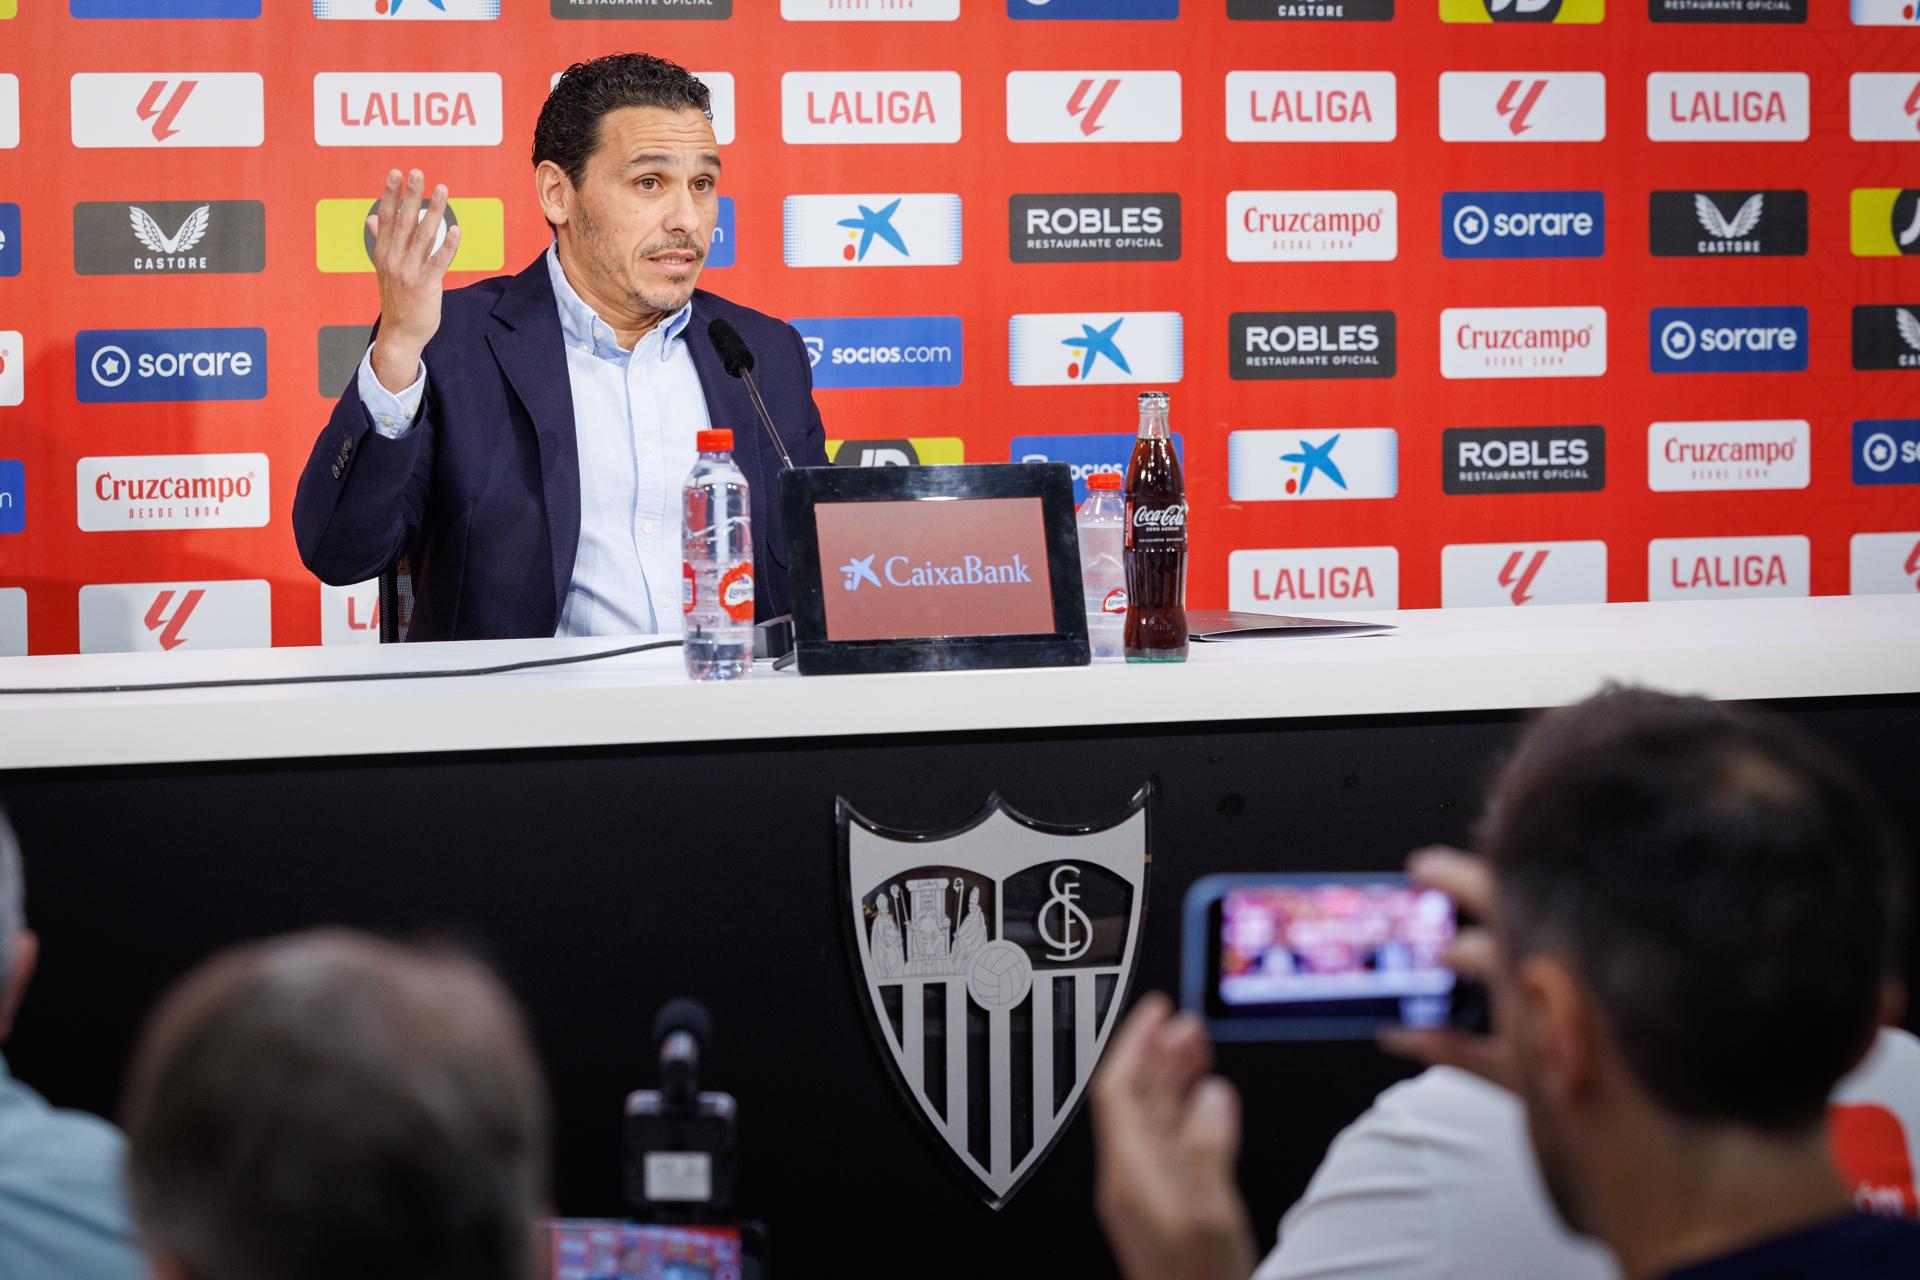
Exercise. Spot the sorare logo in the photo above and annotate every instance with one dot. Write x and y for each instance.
(1296, 466)
(1094, 227)
(1728, 339)
(1715, 224)
(136, 366)
(407, 10)
(1310, 344)
(1069, 349)
(169, 237)
(887, 230)
(13, 496)
(164, 8)
(883, 351)
(1887, 337)
(1885, 222)
(1523, 459)
(1886, 451)
(1729, 11)
(1085, 455)
(9, 239)
(1523, 224)
(1068, 9)
(1571, 12)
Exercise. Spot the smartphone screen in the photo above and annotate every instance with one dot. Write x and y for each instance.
(1318, 957)
(585, 1249)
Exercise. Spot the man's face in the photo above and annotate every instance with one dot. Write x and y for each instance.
(643, 216)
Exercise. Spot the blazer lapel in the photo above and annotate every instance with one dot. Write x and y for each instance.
(533, 354)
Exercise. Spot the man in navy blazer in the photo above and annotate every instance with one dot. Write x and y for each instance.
(523, 440)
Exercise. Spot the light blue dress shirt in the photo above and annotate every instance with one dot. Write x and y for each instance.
(636, 415)
(63, 1211)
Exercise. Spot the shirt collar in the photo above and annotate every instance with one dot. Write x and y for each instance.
(582, 326)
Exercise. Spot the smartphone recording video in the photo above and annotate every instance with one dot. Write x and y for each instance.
(1317, 957)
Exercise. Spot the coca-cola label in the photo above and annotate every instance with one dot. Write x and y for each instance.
(1157, 526)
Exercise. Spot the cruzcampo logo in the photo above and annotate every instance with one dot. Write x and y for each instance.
(343, 243)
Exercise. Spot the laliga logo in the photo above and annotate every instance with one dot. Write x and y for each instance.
(1078, 103)
(1678, 340)
(163, 116)
(1523, 108)
(1513, 576)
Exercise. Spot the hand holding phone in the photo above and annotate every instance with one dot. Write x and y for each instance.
(1473, 955)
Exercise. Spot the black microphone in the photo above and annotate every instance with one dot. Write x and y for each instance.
(680, 1030)
(737, 359)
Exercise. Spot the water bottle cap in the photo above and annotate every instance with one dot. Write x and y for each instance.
(719, 440)
(1104, 480)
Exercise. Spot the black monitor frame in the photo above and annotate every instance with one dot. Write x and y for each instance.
(803, 487)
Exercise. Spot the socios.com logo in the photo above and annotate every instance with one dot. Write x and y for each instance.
(883, 351)
(13, 496)
(1523, 224)
(9, 239)
(131, 366)
(1085, 455)
(903, 571)
(1728, 339)
(1886, 451)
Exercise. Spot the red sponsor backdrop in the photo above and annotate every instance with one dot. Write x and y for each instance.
(47, 302)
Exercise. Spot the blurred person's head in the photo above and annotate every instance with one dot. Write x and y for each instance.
(18, 947)
(330, 1105)
(1697, 908)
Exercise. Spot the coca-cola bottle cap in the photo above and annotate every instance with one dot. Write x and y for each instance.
(1104, 480)
(1153, 399)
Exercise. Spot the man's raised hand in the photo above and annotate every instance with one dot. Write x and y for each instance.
(410, 269)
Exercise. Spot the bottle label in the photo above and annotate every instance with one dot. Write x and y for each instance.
(1157, 526)
(1116, 601)
(736, 592)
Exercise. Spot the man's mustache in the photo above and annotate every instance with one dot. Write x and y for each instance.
(675, 246)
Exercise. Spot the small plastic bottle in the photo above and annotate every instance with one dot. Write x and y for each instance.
(716, 584)
(1103, 573)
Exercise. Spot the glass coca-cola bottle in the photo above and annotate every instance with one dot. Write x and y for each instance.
(1156, 545)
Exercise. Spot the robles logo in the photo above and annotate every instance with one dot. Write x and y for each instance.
(1311, 106)
(883, 351)
(1523, 106)
(1523, 224)
(1114, 227)
(1085, 455)
(1746, 11)
(1283, 466)
(870, 106)
(1282, 579)
(173, 491)
(1310, 344)
(1884, 106)
(1523, 342)
(1720, 106)
(1726, 568)
(1065, 349)
(1684, 456)
(1313, 226)
(1523, 459)
(872, 231)
(164, 616)
(1728, 339)
(370, 109)
(128, 366)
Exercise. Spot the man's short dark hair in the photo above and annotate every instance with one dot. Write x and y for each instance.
(332, 1105)
(1730, 891)
(568, 131)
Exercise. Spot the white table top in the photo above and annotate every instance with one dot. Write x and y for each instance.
(1438, 661)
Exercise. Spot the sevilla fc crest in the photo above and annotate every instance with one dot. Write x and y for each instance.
(995, 957)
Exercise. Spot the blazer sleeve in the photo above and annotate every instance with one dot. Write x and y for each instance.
(362, 497)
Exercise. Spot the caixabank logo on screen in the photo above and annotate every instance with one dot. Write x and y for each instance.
(1886, 451)
(135, 366)
(1743, 11)
(172, 491)
(1310, 344)
(884, 230)
(1566, 11)
(1095, 453)
(1728, 339)
(883, 351)
(169, 237)
(1311, 106)
(1720, 224)
(1523, 224)
(1887, 337)
(1094, 227)
(1523, 459)
(1885, 222)
(1071, 349)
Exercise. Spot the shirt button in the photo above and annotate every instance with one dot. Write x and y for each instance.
(647, 526)
(646, 446)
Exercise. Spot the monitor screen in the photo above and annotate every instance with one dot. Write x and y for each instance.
(934, 567)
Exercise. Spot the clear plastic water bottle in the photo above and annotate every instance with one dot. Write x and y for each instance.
(1103, 573)
(716, 582)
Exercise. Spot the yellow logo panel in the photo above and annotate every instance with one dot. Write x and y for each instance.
(913, 451)
(8, 8)
(1570, 12)
(1886, 222)
(342, 244)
